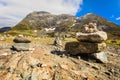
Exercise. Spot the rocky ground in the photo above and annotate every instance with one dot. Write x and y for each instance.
(48, 62)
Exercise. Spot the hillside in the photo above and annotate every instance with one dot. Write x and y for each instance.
(4, 29)
(66, 23)
(39, 20)
(102, 24)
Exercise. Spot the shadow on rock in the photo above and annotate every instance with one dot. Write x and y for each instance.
(86, 57)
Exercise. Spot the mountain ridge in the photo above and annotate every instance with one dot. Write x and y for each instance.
(38, 20)
(44, 15)
(65, 22)
(4, 29)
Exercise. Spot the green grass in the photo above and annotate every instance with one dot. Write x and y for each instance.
(44, 40)
(109, 42)
(23, 32)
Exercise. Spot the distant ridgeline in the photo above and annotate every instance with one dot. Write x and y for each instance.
(4, 29)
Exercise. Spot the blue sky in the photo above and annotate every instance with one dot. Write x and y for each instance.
(109, 9)
(13, 11)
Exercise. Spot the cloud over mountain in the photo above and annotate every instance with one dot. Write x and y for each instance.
(12, 11)
(118, 18)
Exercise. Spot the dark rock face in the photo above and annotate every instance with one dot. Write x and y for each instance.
(75, 48)
(21, 40)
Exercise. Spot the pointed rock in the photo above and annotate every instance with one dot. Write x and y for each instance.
(101, 57)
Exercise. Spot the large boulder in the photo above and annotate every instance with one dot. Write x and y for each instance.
(21, 40)
(97, 37)
(101, 57)
(21, 47)
(75, 48)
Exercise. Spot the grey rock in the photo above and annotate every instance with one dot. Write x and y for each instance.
(101, 56)
(75, 48)
(21, 40)
(21, 47)
(89, 28)
(57, 41)
(97, 37)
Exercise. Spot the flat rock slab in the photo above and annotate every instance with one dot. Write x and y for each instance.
(75, 48)
(21, 47)
(101, 56)
(97, 37)
(21, 40)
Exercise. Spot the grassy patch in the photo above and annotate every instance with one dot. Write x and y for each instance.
(46, 40)
(113, 42)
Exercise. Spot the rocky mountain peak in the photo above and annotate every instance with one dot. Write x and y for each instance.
(92, 17)
(43, 19)
(64, 22)
(38, 13)
(87, 15)
(102, 22)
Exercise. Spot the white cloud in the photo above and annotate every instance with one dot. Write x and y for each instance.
(112, 16)
(15, 10)
(118, 18)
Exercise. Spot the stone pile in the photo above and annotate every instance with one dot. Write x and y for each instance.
(57, 41)
(21, 44)
(90, 41)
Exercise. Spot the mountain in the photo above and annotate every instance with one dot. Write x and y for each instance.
(65, 22)
(102, 23)
(42, 19)
(111, 28)
(4, 29)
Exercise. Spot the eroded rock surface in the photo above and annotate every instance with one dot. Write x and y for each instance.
(21, 47)
(101, 56)
(96, 37)
(20, 39)
(75, 48)
(41, 64)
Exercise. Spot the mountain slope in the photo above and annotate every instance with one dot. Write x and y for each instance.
(42, 19)
(103, 24)
(65, 22)
(4, 29)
